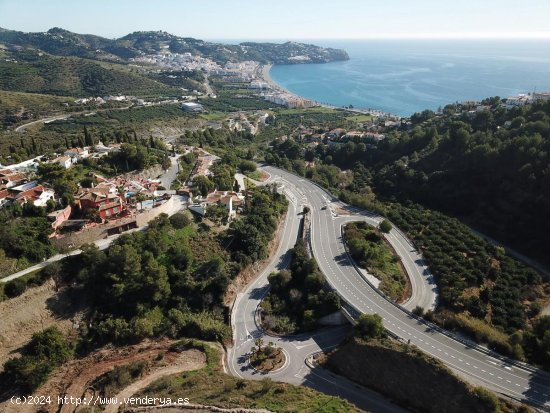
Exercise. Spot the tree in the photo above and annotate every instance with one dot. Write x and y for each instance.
(180, 220)
(222, 176)
(217, 213)
(279, 280)
(88, 140)
(369, 326)
(385, 226)
(247, 167)
(203, 184)
(140, 198)
(166, 163)
(47, 350)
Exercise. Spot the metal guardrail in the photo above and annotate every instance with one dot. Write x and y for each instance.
(429, 324)
(435, 327)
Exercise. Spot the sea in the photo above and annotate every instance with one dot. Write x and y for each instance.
(407, 76)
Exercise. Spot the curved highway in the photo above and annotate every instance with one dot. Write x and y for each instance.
(478, 365)
(296, 348)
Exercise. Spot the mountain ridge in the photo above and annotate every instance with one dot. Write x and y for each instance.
(61, 42)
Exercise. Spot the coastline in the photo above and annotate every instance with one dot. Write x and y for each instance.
(266, 77)
(263, 73)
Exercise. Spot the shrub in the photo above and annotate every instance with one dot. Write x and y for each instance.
(15, 288)
(419, 311)
(247, 167)
(488, 398)
(385, 226)
(47, 350)
(369, 326)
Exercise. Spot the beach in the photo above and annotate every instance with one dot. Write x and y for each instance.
(263, 73)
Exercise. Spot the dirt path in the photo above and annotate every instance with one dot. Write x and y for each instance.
(189, 360)
(75, 377)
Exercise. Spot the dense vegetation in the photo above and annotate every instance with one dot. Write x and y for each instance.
(367, 246)
(109, 126)
(232, 103)
(158, 282)
(298, 296)
(172, 278)
(18, 107)
(24, 232)
(467, 164)
(247, 239)
(482, 291)
(484, 168)
(72, 76)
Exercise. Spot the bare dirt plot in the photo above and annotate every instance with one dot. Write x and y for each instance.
(74, 379)
(188, 360)
(36, 309)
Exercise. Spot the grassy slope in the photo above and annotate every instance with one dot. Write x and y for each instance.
(210, 386)
(71, 76)
(34, 102)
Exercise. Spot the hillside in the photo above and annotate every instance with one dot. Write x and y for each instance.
(61, 42)
(33, 72)
(409, 377)
(490, 169)
(17, 107)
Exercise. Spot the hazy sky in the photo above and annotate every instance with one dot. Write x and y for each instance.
(285, 19)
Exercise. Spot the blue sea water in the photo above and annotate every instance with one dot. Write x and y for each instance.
(407, 76)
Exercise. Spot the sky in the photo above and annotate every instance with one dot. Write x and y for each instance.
(286, 19)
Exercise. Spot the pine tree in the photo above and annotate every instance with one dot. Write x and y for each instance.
(87, 138)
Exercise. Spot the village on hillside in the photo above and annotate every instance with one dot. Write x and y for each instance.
(106, 206)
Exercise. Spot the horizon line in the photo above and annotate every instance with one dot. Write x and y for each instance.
(476, 36)
(383, 36)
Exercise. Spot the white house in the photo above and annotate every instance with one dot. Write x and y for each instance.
(76, 154)
(65, 161)
(31, 192)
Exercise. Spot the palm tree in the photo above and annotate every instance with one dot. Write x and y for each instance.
(259, 342)
(140, 198)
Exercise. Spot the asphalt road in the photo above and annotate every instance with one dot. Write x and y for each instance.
(296, 348)
(516, 380)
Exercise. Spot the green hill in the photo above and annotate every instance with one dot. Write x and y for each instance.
(489, 167)
(34, 72)
(61, 42)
